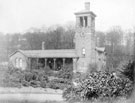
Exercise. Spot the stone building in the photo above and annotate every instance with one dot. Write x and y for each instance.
(84, 54)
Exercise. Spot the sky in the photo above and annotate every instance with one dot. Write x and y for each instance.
(20, 15)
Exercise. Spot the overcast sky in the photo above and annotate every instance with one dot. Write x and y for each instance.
(20, 15)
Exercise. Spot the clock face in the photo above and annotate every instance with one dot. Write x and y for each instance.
(82, 34)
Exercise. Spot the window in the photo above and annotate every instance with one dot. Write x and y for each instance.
(81, 21)
(20, 63)
(17, 62)
(86, 21)
(83, 51)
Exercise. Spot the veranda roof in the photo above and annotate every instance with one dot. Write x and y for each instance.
(61, 53)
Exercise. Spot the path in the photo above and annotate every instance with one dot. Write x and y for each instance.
(30, 94)
(31, 97)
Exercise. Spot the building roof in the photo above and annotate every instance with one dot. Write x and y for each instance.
(61, 53)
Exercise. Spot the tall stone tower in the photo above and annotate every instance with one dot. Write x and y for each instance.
(85, 38)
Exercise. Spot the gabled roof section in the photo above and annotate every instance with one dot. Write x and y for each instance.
(61, 53)
(20, 51)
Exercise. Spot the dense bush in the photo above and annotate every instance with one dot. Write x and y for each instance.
(35, 78)
(66, 72)
(59, 83)
(98, 85)
(15, 77)
(126, 68)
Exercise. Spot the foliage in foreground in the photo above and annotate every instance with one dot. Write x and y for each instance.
(38, 78)
(98, 85)
(126, 68)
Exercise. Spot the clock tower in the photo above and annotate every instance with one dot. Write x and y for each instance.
(85, 41)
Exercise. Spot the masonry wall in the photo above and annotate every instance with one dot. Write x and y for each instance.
(18, 60)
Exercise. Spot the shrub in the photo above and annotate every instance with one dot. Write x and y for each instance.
(17, 78)
(59, 83)
(98, 85)
(66, 72)
(126, 68)
(38, 78)
(72, 94)
(35, 78)
(13, 78)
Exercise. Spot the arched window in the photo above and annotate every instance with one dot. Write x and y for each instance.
(17, 62)
(20, 63)
(86, 21)
(81, 21)
(83, 51)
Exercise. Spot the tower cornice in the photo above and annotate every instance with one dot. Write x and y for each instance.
(85, 12)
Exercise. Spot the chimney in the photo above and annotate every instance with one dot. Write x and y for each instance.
(43, 45)
(87, 6)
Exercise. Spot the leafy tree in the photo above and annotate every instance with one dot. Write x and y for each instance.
(129, 43)
(3, 47)
(114, 37)
(126, 68)
(54, 38)
(13, 42)
(100, 38)
(114, 46)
